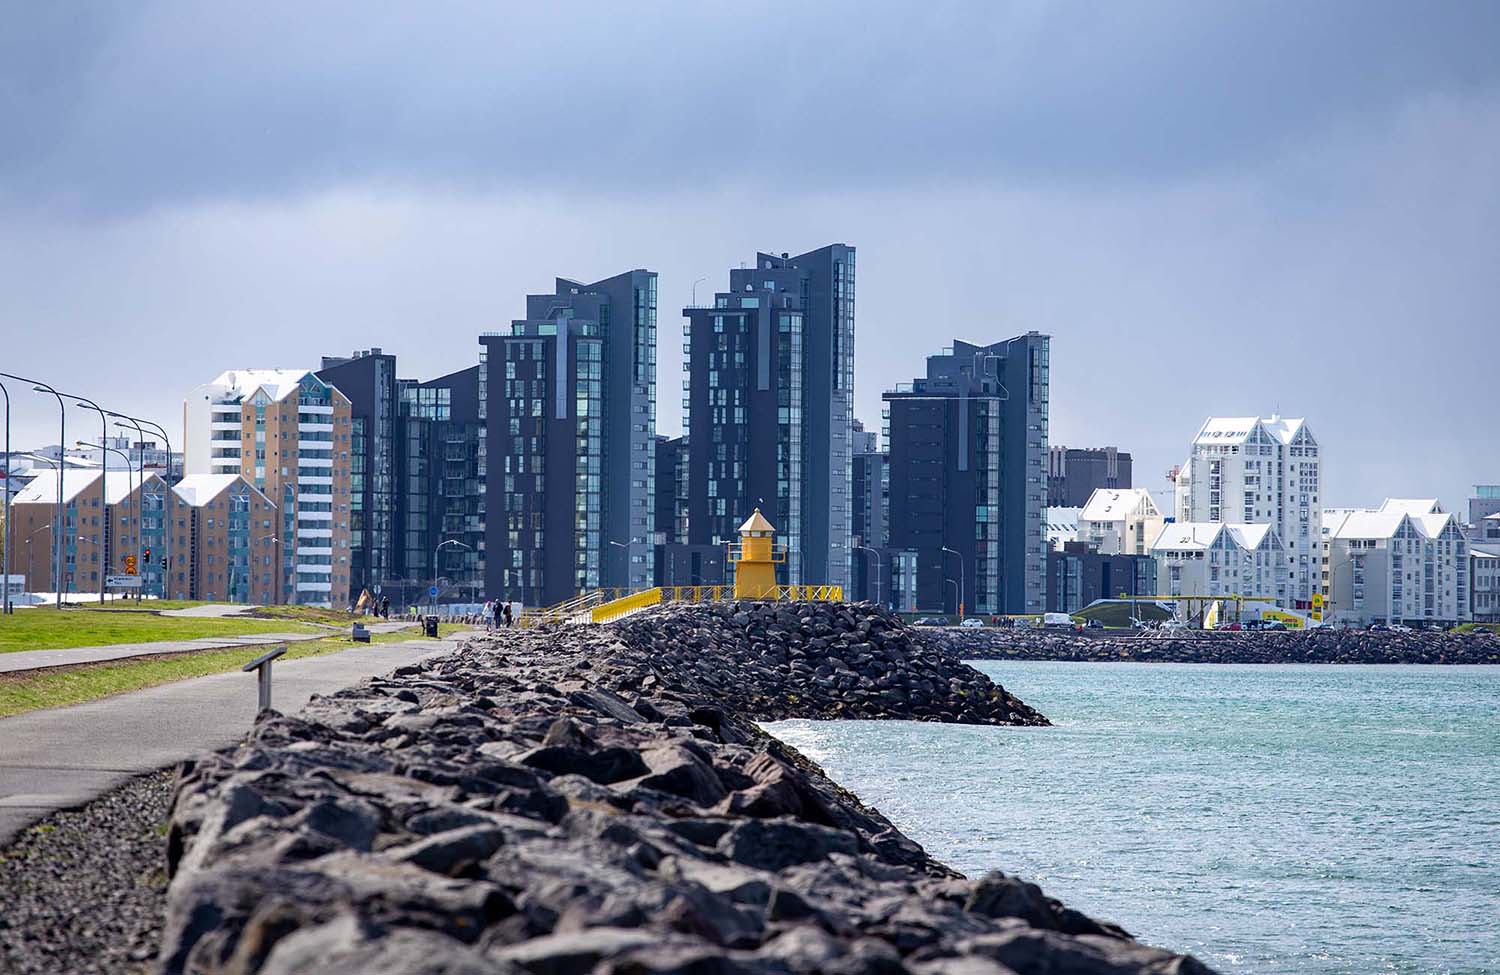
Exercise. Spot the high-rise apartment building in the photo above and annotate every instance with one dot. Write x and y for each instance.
(769, 409)
(289, 433)
(1073, 474)
(871, 525)
(570, 416)
(1484, 503)
(1261, 471)
(368, 379)
(968, 491)
(440, 494)
(1406, 560)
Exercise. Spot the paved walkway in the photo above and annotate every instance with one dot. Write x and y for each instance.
(63, 757)
(34, 659)
(211, 611)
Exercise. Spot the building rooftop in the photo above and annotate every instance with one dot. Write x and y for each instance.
(1192, 535)
(199, 489)
(278, 383)
(1412, 506)
(43, 487)
(1115, 504)
(1237, 429)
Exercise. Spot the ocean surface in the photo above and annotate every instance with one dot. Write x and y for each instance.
(1269, 819)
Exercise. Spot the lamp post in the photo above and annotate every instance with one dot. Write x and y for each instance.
(140, 453)
(961, 586)
(432, 598)
(62, 438)
(85, 403)
(166, 549)
(622, 545)
(263, 538)
(866, 548)
(5, 606)
(44, 528)
(125, 457)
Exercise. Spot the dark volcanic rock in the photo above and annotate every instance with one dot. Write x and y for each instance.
(508, 810)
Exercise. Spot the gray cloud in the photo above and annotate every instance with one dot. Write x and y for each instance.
(153, 103)
(1213, 209)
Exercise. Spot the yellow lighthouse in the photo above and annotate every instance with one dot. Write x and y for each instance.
(755, 561)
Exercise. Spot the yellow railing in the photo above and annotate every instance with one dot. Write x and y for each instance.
(607, 605)
(616, 608)
(735, 551)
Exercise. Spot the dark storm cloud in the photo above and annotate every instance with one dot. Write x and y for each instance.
(118, 107)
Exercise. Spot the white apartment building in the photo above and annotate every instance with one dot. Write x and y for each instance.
(1404, 561)
(1120, 521)
(1254, 470)
(288, 433)
(1217, 559)
(1484, 583)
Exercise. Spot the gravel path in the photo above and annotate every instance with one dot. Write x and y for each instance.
(84, 890)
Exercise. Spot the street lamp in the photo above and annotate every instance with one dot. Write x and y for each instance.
(85, 403)
(432, 595)
(140, 453)
(961, 585)
(125, 457)
(627, 560)
(866, 548)
(5, 606)
(62, 438)
(166, 547)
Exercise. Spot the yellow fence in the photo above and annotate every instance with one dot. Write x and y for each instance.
(607, 605)
(616, 608)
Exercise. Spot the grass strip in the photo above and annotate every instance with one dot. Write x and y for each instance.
(34, 690)
(51, 629)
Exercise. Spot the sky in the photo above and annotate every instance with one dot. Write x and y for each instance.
(1212, 208)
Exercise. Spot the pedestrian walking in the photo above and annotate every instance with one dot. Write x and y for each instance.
(496, 613)
(509, 620)
(385, 608)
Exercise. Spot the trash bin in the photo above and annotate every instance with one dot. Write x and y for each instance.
(429, 626)
(361, 633)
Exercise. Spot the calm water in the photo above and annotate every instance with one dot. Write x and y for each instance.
(1303, 819)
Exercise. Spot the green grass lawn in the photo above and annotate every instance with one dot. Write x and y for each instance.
(45, 628)
(30, 692)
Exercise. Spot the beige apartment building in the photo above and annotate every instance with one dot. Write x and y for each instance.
(98, 531)
(288, 433)
(225, 531)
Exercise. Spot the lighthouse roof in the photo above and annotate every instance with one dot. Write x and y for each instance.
(756, 523)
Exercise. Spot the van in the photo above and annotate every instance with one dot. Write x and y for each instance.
(1057, 621)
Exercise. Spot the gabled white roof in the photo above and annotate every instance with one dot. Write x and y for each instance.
(278, 383)
(1249, 536)
(43, 487)
(199, 489)
(1485, 551)
(1116, 504)
(1493, 517)
(1412, 506)
(1434, 524)
(1237, 429)
(1179, 535)
(1370, 524)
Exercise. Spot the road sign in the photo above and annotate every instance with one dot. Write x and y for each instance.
(123, 582)
(130, 565)
(1317, 600)
(432, 591)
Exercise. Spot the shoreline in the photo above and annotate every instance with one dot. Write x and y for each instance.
(1349, 648)
(447, 812)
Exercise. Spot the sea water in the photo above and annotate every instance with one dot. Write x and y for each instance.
(1269, 819)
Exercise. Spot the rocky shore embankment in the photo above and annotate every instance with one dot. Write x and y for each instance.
(1326, 646)
(597, 800)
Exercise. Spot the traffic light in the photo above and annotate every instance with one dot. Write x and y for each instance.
(163, 561)
(148, 555)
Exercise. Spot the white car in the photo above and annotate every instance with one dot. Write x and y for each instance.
(1399, 628)
(972, 623)
(1174, 625)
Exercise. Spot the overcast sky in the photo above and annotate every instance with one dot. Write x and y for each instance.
(1213, 208)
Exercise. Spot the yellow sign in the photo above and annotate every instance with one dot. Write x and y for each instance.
(130, 565)
(1292, 622)
(1317, 600)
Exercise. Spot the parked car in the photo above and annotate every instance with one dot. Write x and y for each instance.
(1094, 625)
(931, 621)
(972, 623)
(1230, 625)
(1397, 628)
(1276, 625)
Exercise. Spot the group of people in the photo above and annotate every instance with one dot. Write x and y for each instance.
(497, 614)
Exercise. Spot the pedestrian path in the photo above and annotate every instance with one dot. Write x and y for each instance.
(35, 659)
(63, 757)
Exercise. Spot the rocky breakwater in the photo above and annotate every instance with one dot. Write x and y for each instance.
(1323, 646)
(580, 801)
(771, 661)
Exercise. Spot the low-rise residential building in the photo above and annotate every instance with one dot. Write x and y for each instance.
(225, 533)
(1215, 559)
(1120, 522)
(1404, 561)
(99, 529)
